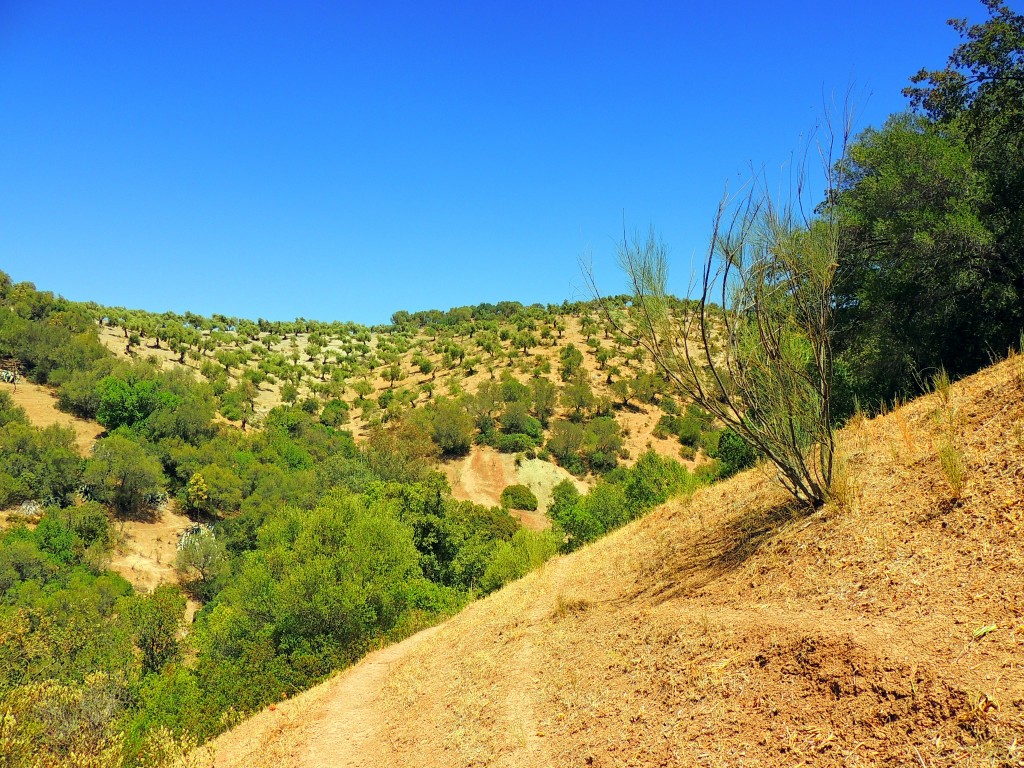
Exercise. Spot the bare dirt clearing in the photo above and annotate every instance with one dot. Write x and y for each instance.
(482, 475)
(738, 629)
(40, 403)
(147, 548)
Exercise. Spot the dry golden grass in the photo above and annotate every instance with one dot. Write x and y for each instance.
(739, 629)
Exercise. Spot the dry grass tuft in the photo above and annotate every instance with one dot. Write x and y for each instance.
(954, 467)
(567, 606)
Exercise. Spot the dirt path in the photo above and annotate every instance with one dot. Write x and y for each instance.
(336, 725)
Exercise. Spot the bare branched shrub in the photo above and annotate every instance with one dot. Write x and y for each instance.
(753, 347)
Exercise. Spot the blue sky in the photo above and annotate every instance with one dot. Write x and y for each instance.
(346, 160)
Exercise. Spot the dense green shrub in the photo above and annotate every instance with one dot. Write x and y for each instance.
(514, 559)
(734, 453)
(518, 497)
(122, 473)
(37, 464)
(334, 413)
(514, 443)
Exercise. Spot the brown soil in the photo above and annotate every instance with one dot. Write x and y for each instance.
(146, 550)
(40, 403)
(342, 713)
(886, 628)
(482, 475)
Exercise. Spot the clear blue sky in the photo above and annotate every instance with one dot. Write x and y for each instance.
(342, 160)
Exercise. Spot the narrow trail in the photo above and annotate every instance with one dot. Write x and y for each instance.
(344, 730)
(524, 698)
(335, 725)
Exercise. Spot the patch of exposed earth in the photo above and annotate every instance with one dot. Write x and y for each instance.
(482, 475)
(40, 404)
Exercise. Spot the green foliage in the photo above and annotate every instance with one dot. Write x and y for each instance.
(652, 480)
(126, 403)
(579, 397)
(155, 620)
(518, 497)
(451, 427)
(565, 442)
(918, 264)
(37, 464)
(622, 495)
(602, 442)
(122, 473)
(545, 398)
(517, 443)
(570, 362)
(514, 559)
(202, 561)
(335, 413)
(516, 419)
(734, 453)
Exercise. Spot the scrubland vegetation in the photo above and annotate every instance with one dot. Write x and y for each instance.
(313, 547)
(308, 451)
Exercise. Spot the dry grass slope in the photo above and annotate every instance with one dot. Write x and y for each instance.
(735, 629)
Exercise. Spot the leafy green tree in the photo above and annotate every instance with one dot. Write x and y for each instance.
(545, 399)
(202, 560)
(579, 397)
(451, 427)
(155, 620)
(602, 442)
(239, 403)
(516, 419)
(734, 453)
(977, 102)
(121, 473)
(334, 413)
(915, 276)
(565, 442)
(37, 464)
(564, 498)
(570, 360)
(514, 559)
(127, 403)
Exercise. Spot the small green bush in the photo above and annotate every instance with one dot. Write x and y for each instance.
(517, 443)
(518, 497)
(688, 430)
(335, 413)
(735, 453)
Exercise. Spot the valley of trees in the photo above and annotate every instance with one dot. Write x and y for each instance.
(311, 547)
(307, 452)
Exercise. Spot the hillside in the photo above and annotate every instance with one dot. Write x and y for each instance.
(378, 375)
(734, 629)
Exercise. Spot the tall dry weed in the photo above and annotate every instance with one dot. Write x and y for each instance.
(906, 433)
(954, 467)
(1017, 361)
(940, 385)
(845, 489)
